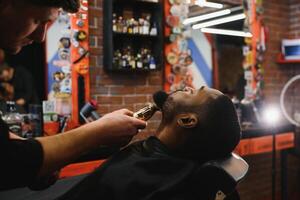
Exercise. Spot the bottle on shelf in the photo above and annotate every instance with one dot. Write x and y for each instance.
(139, 63)
(120, 24)
(152, 64)
(153, 30)
(130, 26)
(114, 22)
(124, 61)
(141, 26)
(146, 25)
(131, 59)
(144, 57)
(135, 27)
(125, 26)
(132, 62)
(116, 58)
(13, 118)
(119, 58)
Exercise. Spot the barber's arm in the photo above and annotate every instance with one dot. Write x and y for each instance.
(114, 128)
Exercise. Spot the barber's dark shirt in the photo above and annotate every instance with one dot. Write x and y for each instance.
(144, 170)
(20, 160)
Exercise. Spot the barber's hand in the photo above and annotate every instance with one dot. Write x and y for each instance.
(21, 102)
(117, 127)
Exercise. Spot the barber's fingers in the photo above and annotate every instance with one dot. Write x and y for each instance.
(139, 124)
(124, 111)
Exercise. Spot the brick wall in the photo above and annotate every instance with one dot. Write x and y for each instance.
(114, 91)
(294, 19)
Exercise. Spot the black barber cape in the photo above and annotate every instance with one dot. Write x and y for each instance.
(20, 160)
(144, 170)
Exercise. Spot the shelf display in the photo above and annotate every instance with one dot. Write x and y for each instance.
(126, 59)
(254, 50)
(134, 26)
(133, 39)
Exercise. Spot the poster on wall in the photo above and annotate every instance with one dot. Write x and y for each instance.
(59, 85)
(67, 50)
(188, 53)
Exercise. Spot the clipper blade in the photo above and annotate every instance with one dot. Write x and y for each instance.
(146, 112)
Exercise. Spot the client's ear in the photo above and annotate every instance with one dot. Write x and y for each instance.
(187, 120)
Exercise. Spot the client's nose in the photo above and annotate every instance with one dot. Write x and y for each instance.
(189, 89)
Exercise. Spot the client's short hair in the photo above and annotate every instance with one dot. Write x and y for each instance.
(218, 130)
(70, 6)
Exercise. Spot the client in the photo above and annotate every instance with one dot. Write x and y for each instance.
(196, 126)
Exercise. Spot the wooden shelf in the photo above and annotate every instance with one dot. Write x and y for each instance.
(117, 34)
(130, 70)
(281, 60)
(137, 2)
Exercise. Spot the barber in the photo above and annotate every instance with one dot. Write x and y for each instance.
(25, 161)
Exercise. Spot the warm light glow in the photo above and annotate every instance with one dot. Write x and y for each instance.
(204, 3)
(220, 21)
(271, 115)
(226, 32)
(206, 16)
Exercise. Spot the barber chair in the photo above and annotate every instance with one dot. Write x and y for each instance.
(220, 177)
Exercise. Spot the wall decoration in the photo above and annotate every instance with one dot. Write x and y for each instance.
(254, 50)
(67, 60)
(188, 52)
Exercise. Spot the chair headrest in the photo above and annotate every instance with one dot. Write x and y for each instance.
(234, 165)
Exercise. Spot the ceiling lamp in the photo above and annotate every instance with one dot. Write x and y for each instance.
(219, 21)
(226, 32)
(206, 16)
(204, 3)
(211, 15)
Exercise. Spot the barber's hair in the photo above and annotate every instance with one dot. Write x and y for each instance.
(70, 6)
(218, 130)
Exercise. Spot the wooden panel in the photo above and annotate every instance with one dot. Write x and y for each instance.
(264, 144)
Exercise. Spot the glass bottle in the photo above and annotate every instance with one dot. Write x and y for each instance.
(153, 30)
(125, 25)
(141, 26)
(135, 27)
(13, 118)
(139, 63)
(152, 64)
(146, 26)
(114, 22)
(120, 24)
(130, 26)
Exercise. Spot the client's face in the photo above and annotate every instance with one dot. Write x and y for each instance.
(189, 100)
(195, 122)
